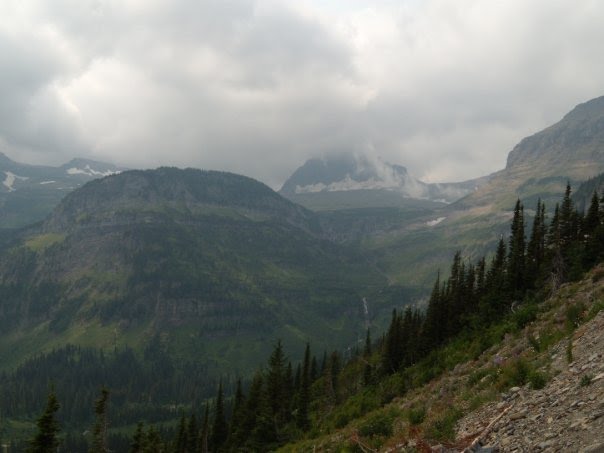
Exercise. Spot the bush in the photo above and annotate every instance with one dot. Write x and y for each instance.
(586, 380)
(514, 373)
(443, 428)
(537, 380)
(416, 415)
(574, 314)
(377, 424)
(525, 314)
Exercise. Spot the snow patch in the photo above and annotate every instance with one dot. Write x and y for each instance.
(47, 182)
(88, 171)
(10, 180)
(407, 186)
(435, 221)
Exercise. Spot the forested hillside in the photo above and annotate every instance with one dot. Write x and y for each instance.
(471, 310)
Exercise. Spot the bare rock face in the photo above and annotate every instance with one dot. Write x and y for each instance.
(573, 143)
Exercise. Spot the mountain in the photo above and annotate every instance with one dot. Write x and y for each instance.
(540, 165)
(412, 249)
(348, 180)
(29, 192)
(217, 264)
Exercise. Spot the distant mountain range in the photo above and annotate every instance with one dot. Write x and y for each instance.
(355, 180)
(29, 192)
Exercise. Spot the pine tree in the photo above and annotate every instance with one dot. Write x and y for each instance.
(592, 219)
(138, 441)
(567, 220)
(367, 371)
(99, 431)
(181, 438)
(192, 435)
(238, 414)
(536, 246)
(516, 255)
(275, 383)
(204, 435)
(304, 394)
(219, 426)
(46, 440)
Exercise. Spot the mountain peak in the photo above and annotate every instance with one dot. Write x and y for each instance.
(347, 171)
(168, 189)
(549, 151)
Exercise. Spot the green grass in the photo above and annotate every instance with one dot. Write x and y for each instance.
(43, 241)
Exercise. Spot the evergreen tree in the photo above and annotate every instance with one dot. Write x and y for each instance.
(516, 255)
(275, 383)
(536, 245)
(304, 395)
(238, 415)
(192, 435)
(181, 438)
(205, 431)
(219, 426)
(46, 440)
(592, 219)
(567, 219)
(99, 431)
(138, 441)
(366, 357)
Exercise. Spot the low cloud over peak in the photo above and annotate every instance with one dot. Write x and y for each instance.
(259, 86)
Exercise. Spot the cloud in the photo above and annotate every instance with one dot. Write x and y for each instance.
(258, 86)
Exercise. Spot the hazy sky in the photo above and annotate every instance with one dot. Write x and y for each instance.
(443, 87)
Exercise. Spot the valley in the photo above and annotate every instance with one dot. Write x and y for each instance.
(166, 284)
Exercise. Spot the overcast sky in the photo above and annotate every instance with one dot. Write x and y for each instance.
(444, 87)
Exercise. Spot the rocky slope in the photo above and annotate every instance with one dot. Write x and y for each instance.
(566, 415)
(541, 388)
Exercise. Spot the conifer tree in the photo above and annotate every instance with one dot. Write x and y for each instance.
(516, 255)
(181, 438)
(192, 435)
(138, 441)
(536, 245)
(46, 439)
(366, 357)
(204, 436)
(304, 394)
(592, 219)
(99, 431)
(238, 414)
(219, 426)
(275, 383)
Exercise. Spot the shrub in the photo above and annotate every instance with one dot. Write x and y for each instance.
(586, 380)
(443, 427)
(514, 373)
(525, 314)
(537, 380)
(416, 415)
(574, 314)
(377, 424)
